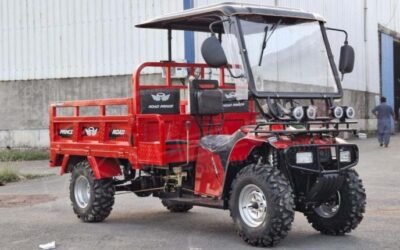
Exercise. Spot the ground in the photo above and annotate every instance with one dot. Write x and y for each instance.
(143, 223)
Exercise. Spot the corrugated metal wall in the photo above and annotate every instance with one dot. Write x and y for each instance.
(41, 39)
(388, 13)
(348, 15)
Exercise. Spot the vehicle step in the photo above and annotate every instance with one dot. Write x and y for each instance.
(199, 201)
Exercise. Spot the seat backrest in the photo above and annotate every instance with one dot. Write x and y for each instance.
(205, 98)
(159, 101)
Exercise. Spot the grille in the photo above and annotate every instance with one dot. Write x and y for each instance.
(327, 158)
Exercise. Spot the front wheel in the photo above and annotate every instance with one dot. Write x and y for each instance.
(343, 211)
(92, 199)
(261, 205)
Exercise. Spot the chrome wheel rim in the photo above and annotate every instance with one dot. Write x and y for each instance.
(252, 205)
(82, 191)
(330, 208)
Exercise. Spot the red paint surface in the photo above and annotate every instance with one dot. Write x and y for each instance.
(145, 137)
(104, 167)
(209, 174)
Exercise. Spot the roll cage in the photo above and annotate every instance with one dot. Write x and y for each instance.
(214, 18)
(200, 19)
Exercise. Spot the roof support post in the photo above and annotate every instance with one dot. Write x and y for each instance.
(189, 36)
(169, 45)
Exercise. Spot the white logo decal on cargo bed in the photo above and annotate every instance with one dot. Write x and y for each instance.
(91, 131)
(230, 95)
(117, 132)
(65, 132)
(160, 97)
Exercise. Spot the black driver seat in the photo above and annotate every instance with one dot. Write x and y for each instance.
(221, 144)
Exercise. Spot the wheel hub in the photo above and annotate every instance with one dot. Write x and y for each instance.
(252, 205)
(82, 191)
(329, 208)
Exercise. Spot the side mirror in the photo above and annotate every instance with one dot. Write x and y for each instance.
(213, 53)
(346, 60)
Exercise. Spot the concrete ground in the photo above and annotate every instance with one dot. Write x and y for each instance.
(143, 223)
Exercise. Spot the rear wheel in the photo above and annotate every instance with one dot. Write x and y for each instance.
(344, 211)
(176, 207)
(261, 205)
(92, 199)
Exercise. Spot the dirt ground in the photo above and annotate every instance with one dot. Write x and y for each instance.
(9, 201)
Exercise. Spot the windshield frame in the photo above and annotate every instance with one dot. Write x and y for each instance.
(288, 95)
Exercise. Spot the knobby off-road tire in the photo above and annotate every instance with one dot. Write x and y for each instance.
(347, 213)
(257, 189)
(176, 207)
(92, 199)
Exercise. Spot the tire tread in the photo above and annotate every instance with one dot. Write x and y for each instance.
(343, 223)
(103, 190)
(283, 200)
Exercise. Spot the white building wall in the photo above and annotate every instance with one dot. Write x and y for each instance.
(47, 39)
(388, 13)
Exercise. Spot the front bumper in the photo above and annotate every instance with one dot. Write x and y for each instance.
(332, 158)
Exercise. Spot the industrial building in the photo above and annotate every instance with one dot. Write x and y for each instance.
(57, 50)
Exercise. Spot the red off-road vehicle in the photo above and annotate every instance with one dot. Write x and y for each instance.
(253, 129)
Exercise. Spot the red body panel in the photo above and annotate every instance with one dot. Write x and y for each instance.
(209, 174)
(285, 141)
(64, 164)
(244, 146)
(154, 139)
(104, 167)
(143, 139)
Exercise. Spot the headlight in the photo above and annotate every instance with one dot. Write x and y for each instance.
(298, 113)
(311, 112)
(350, 113)
(345, 156)
(304, 157)
(338, 112)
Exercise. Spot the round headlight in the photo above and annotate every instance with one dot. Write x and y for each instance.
(298, 113)
(350, 112)
(338, 112)
(311, 112)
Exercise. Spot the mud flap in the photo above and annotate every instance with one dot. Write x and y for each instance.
(325, 187)
(104, 167)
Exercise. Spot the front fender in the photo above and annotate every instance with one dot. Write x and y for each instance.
(242, 149)
(239, 153)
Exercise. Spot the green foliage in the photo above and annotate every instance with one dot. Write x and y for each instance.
(9, 175)
(23, 155)
(35, 176)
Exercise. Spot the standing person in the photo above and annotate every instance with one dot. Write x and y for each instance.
(385, 114)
